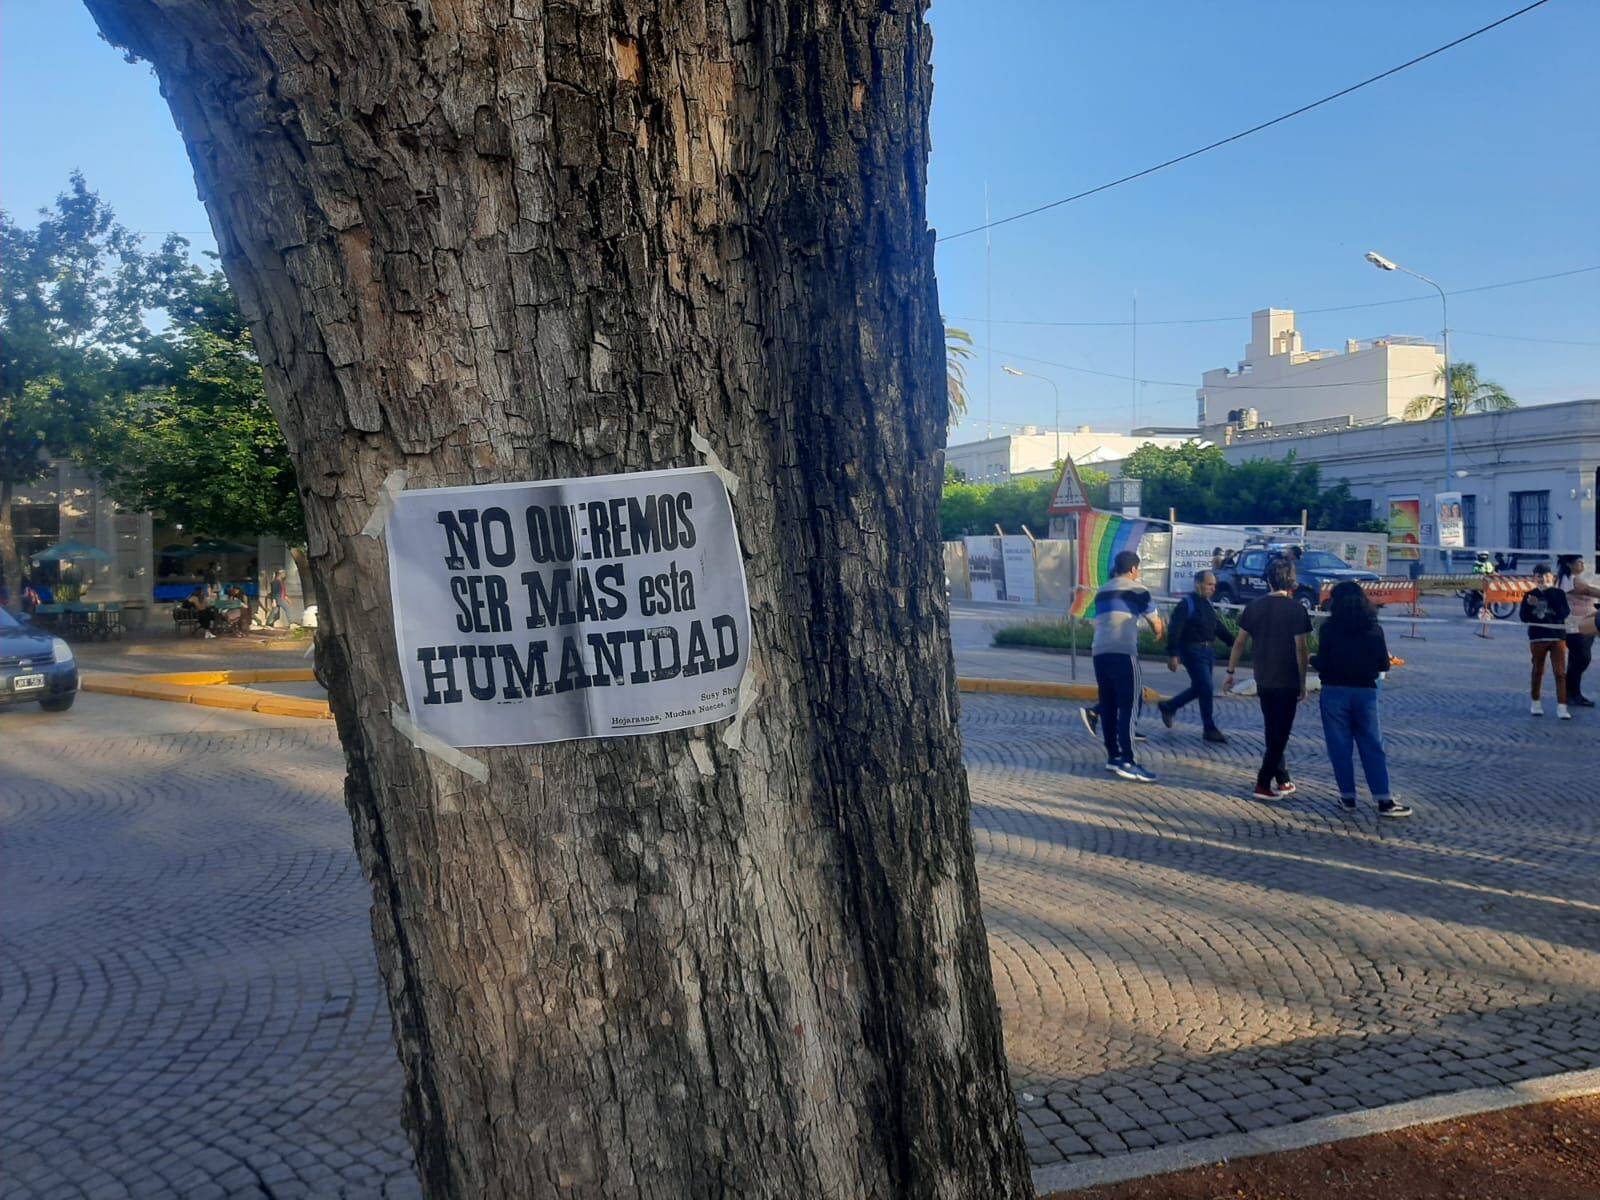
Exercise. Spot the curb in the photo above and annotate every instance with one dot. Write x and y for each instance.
(1071, 1177)
(216, 689)
(1048, 691)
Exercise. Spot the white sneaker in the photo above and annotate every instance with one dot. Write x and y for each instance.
(209, 634)
(1537, 709)
(1562, 713)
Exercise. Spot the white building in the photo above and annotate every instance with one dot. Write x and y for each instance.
(1528, 477)
(1282, 383)
(1001, 459)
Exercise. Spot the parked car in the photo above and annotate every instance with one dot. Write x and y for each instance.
(35, 666)
(1247, 578)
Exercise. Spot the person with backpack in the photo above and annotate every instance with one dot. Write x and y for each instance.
(1193, 629)
(1545, 611)
(1277, 628)
(1352, 656)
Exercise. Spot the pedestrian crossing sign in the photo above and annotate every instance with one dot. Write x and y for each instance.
(1070, 496)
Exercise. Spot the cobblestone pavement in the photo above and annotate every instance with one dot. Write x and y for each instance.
(190, 1005)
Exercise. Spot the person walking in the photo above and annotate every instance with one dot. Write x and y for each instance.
(1352, 656)
(1582, 590)
(1277, 629)
(1190, 634)
(277, 600)
(1544, 611)
(1119, 607)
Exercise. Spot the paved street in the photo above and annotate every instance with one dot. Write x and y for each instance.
(190, 1004)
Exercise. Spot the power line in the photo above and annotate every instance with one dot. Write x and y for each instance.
(1239, 387)
(1304, 312)
(1305, 108)
(1512, 337)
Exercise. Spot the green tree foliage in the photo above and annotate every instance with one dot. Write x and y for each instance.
(1468, 394)
(74, 293)
(976, 508)
(197, 443)
(1204, 487)
(957, 353)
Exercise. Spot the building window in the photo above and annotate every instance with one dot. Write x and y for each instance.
(1530, 520)
(1469, 519)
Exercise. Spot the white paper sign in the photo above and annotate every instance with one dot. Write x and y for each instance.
(569, 608)
(1016, 551)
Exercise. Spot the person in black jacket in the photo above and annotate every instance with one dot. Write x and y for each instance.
(1193, 629)
(1545, 611)
(1351, 657)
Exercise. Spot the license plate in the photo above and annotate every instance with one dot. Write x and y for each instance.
(27, 683)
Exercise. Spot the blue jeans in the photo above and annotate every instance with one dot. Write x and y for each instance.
(1198, 661)
(1349, 724)
(1118, 695)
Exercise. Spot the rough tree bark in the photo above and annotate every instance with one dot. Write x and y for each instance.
(492, 240)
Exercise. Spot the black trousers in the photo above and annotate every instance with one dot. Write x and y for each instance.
(1278, 706)
(1580, 649)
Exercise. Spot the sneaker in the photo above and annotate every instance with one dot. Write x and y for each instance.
(1536, 709)
(1349, 802)
(1091, 721)
(1133, 771)
(209, 634)
(1287, 788)
(1166, 714)
(1139, 737)
(1562, 714)
(1395, 810)
(1579, 702)
(1264, 794)
(1114, 766)
(1216, 735)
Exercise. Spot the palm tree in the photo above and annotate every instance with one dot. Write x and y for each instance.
(1468, 394)
(957, 350)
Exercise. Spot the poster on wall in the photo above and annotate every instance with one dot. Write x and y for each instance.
(572, 608)
(1452, 526)
(986, 568)
(1017, 552)
(1199, 547)
(1405, 527)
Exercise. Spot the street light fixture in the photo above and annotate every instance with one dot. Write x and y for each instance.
(1388, 264)
(1046, 379)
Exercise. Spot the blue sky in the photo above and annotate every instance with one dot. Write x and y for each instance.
(1476, 167)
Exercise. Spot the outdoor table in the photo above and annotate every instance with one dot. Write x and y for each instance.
(102, 620)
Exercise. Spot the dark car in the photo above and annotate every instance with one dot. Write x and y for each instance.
(1247, 579)
(35, 666)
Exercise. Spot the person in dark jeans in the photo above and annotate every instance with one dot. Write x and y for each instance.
(1278, 629)
(1582, 591)
(1190, 634)
(1119, 608)
(1351, 657)
(1544, 610)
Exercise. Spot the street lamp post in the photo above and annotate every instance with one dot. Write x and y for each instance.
(1386, 264)
(1053, 388)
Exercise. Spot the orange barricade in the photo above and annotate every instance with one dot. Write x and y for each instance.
(1385, 591)
(1507, 589)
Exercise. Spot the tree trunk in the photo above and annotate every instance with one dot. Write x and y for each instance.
(527, 239)
(10, 564)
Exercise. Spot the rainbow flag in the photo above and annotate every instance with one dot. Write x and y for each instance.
(1101, 537)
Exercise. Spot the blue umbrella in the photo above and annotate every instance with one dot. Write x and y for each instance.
(70, 551)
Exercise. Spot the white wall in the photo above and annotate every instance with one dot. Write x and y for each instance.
(1552, 448)
(997, 460)
(1287, 384)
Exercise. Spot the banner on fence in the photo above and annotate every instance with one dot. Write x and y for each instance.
(1000, 569)
(571, 608)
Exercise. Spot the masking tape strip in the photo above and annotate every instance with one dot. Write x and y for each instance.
(393, 484)
(733, 735)
(441, 750)
(729, 479)
(701, 753)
